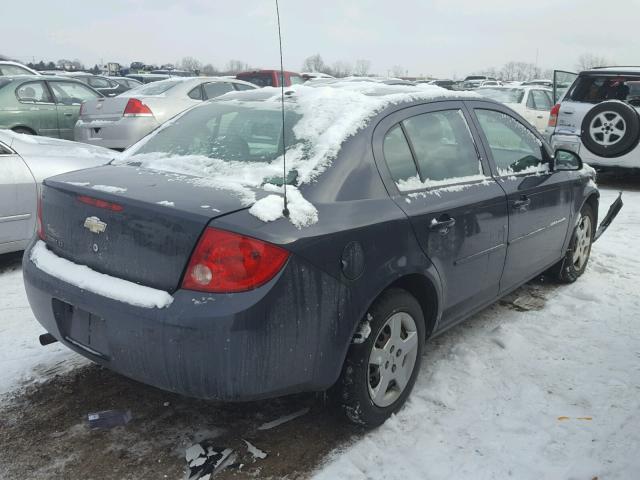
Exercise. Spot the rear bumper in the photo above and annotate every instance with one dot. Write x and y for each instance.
(118, 134)
(573, 142)
(288, 336)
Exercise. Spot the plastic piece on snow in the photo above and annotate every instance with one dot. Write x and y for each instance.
(109, 419)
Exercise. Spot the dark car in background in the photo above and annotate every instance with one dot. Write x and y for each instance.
(46, 105)
(270, 78)
(422, 208)
(108, 87)
(148, 77)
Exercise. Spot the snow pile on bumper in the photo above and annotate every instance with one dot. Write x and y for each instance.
(83, 277)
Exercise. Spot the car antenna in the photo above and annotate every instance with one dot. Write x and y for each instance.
(285, 210)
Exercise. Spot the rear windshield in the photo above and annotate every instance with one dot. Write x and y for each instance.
(503, 95)
(228, 131)
(598, 88)
(156, 88)
(261, 80)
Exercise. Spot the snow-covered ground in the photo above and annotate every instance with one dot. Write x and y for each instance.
(22, 359)
(553, 393)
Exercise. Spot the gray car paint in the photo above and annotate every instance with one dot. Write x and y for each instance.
(25, 161)
(102, 122)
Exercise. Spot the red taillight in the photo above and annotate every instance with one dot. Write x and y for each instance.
(225, 262)
(135, 108)
(553, 115)
(39, 224)
(81, 109)
(114, 207)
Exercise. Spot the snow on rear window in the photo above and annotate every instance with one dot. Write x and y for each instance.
(237, 143)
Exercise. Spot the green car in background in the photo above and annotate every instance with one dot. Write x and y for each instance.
(42, 104)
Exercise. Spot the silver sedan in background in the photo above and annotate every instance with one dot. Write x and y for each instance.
(25, 161)
(120, 121)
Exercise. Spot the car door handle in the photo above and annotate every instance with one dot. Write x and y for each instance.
(523, 203)
(540, 116)
(443, 224)
(68, 114)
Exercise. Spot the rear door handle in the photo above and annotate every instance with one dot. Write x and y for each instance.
(443, 224)
(68, 114)
(523, 203)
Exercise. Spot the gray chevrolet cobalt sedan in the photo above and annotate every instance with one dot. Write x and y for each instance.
(407, 209)
(120, 121)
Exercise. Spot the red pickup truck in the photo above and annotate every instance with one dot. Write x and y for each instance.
(270, 78)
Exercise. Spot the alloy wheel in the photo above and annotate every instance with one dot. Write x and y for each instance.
(392, 359)
(607, 128)
(583, 243)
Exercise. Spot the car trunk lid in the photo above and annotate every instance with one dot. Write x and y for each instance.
(132, 223)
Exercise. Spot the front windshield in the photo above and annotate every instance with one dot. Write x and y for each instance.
(503, 95)
(230, 131)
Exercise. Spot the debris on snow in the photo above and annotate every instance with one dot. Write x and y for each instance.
(109, 419)
(255, 451)
(166, 203)
(281, 420)
(205, 460)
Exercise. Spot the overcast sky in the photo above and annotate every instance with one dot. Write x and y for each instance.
(427, 37)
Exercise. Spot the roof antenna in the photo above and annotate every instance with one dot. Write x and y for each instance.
(285, 210)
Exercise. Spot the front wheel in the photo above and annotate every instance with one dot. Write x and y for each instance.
(575, 261)
(384, 360)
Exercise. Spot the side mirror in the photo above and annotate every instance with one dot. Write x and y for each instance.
(566, 161)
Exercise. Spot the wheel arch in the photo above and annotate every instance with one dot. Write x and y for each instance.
(23, 127)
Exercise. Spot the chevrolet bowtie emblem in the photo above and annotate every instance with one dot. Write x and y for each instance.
(95, 225)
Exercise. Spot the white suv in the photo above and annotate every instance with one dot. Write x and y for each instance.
(597, 116)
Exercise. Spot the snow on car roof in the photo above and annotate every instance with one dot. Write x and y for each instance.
(329, 115)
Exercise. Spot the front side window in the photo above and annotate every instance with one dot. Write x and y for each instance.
(71, 93)
(33, 92)
(398, 156)
(514, 147)
(215, 89)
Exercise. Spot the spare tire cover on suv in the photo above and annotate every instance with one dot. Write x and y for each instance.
(611, 129)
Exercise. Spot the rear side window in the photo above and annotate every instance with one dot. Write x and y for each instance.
(261, 80)
(295, 79)
(33, 92)
(13, 70)
(513, 147)
(97, 82)
(443, 146)
(539, 100)
(242, 86)
(598, 88)
(196, 93)
(157, 88)
(215, 89)
(398, 156)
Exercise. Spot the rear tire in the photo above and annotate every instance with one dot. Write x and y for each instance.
(576, 259)
(24, 130)
(382, 364)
